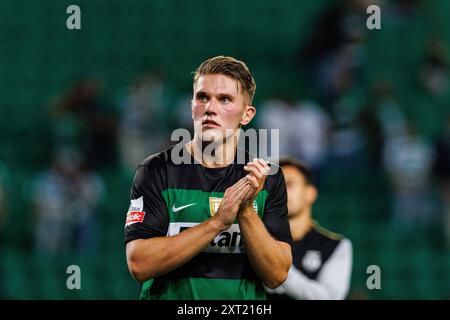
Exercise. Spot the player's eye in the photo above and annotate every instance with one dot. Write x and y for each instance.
(202, 98)
(225, 100)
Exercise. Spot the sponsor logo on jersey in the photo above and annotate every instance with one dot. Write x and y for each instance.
(135, 212)
(312, 260)
(228, 241)
(176, 209)
(134, 217)
(214, 204)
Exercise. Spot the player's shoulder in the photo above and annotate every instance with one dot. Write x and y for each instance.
(330, 235)
(275, 179)
(158, 160)
(154, 165)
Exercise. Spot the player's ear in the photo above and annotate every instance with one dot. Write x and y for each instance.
(248, 115)
(311, 194)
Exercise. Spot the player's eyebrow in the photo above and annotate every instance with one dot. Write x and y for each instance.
(201, 93)
(225, 95)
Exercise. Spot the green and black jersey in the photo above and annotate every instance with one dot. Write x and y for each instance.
(167, 199)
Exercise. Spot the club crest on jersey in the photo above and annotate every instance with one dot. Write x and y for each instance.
(135, 212)
(214, 204)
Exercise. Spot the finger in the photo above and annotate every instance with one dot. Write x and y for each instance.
(262, 165)
(237, 184)
(243, 193)
(262, 162)
(249, 195)
(237, 189)
(265, 166)
(251, 167)
(253, 181)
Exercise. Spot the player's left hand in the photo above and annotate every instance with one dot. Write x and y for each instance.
(258, 170)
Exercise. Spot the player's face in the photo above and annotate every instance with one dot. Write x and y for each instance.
(218, 104)
(298, 191)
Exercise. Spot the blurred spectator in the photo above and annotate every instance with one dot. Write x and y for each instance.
(304, 129)
(442, 173)
(313, 126)
(143, 128)
(347, 139)
(276, 114)
(65, 199)
(4, 178)
(400, 12)
(183, 114)
(408, 158)
(81, 118)
(431, 97)
(434, 71)
(382, 120)
(335, 48)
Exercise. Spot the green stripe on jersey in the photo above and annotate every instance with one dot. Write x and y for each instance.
(186, 205)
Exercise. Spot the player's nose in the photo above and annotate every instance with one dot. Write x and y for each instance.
(211, 107)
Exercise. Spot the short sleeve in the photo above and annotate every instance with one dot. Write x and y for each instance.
(275, 215)
(147, 215)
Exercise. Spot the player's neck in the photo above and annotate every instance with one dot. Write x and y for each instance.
(301, 224)
(213, 154)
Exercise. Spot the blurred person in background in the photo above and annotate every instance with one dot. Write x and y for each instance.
(442, 175)
(142, 127)
(382, 120)
(347, 137)
(432, 95)
(182, 115)
(408, 159)
(276, 114)
(434, 69)
(83, 119)
(335, 49)
(322, 260)
(4, 178)
(304, 129)
(3, 218)
(65, 199)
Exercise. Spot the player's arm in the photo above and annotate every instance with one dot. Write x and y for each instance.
(270, 258)
(157, 255)
(332, 283)
(148, 258)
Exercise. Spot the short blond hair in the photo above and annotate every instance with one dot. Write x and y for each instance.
(230, 67)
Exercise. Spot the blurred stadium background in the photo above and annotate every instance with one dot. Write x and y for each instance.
(369, 110)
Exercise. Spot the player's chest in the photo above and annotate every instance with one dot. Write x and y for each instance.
(186, 205)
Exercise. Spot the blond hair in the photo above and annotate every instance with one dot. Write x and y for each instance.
(230, 67)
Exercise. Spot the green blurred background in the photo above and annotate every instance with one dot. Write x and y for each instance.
(63, 93)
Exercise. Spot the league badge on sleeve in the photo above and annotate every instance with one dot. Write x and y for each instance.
(135, 212)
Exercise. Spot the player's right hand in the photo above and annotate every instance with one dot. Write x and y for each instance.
(231, 202)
